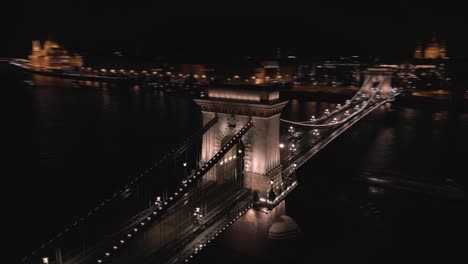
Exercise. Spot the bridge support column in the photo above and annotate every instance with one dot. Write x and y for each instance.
(235, 107)
(261, 176)
(383, 76)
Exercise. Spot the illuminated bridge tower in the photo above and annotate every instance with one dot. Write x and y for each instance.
(258, 166)
(377, 75)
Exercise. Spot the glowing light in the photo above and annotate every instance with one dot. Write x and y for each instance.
(281, 145)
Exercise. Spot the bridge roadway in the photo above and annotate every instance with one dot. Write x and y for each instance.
(94, 218)
(312, 132)
(148, 247)
(311, 144)
(111, 245)
(307, 142)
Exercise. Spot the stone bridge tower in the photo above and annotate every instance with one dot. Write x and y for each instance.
(378, 75)
(235, 106)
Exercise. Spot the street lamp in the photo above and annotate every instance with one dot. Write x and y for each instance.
(158, 201)
(197, 215)
(271, 193)
(45, 260)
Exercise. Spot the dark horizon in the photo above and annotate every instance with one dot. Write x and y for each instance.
(154, 30)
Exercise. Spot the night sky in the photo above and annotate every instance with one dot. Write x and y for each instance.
(387, 29)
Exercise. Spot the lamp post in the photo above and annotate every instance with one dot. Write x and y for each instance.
(185, 168)
(197, 215)
(271, 194)
(158, 201)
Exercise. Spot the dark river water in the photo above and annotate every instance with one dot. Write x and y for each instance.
(72, 147)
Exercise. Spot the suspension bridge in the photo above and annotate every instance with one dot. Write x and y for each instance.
(244, 157)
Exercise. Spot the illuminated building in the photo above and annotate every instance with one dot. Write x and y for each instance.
(52, 56)
(434, 50)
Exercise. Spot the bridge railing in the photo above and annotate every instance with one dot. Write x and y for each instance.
(294, 162)
(318, 135)
(324, 117)
(190, 184)
(313, 124)
(128, 203)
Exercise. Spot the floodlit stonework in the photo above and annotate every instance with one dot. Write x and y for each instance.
(261, 142)
(52, 56)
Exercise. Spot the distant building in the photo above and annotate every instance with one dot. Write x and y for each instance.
(341, 71)
(52, 56)
(434, 50)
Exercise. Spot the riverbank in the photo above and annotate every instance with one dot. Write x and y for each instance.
(78, 76)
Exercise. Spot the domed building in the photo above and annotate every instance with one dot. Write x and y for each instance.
(52, 56)
(434, 50)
